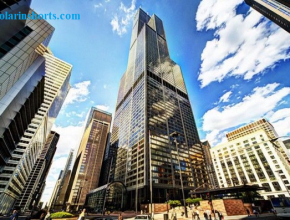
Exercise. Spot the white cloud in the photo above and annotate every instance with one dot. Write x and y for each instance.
(213, 13)
(98, 5)
(70, 137)
(74, 113)
(122, 19)
(256, 105)
(281, 121)
(280, 114)
(103, 107)
(78, 93)
(105, 86)
(225, 97)
(245, 51)
(282, 126)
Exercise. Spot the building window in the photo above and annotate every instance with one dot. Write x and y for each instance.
(267, 187)
(13, 41)
(276, 186)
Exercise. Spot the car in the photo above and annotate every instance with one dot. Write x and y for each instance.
(143, 217)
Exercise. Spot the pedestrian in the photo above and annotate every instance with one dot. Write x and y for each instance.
(193, 214)
(248, 212)
(120, 217)
(197, 214)
(42, 214)
(47, 217)
(208, 212)
(205, 215)
(82, 215)
(220, 215)
(256, 213)
(14, 215)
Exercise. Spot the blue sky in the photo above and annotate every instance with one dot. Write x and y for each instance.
(235, 63)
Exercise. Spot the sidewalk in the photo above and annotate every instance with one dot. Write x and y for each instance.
(160, 216)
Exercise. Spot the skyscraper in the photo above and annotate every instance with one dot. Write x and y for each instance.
(87, 166)
(152, 103)
(35, 184)
(210, 166)
(29, 98)
(108, 165)
(251, 156)
(277, 11)
(57, 200)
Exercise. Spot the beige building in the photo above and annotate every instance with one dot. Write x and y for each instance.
(277, 11)
(89, 158)
(251, 157)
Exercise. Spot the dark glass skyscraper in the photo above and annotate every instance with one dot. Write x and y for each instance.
(152, 103)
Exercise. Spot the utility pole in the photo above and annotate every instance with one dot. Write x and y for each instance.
(175, 135)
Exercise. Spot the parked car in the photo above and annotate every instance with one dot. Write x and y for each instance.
(143, 217)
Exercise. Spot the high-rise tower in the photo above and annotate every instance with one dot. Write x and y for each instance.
(277, 11)
(87, 166)
(34, 186)
(152, 103)
(33, 85)
(57, 199)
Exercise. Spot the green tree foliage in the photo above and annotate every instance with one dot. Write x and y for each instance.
(192, 201)
(61, 215)
(174, 203)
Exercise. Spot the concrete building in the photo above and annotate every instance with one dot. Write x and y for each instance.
(277, 11)
(87, 166)
(251, 156)
(29, 98)
(34, 186)
(210, 166)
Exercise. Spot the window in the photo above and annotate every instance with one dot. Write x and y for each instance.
(267, 187)
(276, 186)
(281, 196)
(12, 42)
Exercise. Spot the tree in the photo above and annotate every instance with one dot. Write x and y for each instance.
(192, 201)
(174, 203)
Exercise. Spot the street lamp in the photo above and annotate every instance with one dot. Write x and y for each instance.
(175, 135)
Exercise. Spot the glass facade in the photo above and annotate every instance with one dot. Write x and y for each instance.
(89, 158)
(152, 103)
(30, 80)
